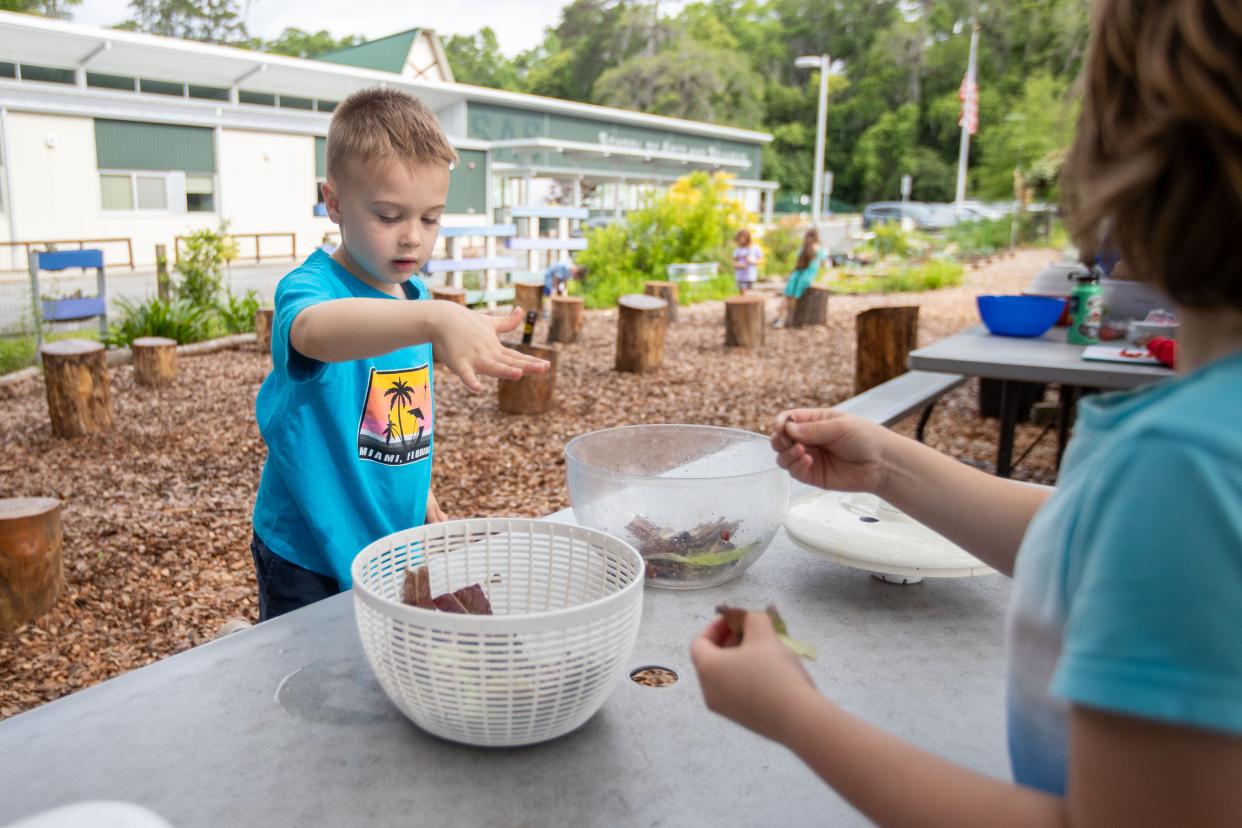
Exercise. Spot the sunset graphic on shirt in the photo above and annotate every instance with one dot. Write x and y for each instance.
(395, 428)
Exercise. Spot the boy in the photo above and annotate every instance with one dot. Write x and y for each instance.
(556, 278)
(347, 411)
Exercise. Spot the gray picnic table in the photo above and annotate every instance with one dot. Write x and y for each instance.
(284, 724)
(1014, 360)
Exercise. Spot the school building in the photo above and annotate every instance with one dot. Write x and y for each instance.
(114, 135)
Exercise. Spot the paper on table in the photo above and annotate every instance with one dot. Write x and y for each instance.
(1119, 353)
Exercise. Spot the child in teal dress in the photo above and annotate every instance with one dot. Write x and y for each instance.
(810, 258)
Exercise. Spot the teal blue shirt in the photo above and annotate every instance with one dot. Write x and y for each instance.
(1128, 584)
(348, 443)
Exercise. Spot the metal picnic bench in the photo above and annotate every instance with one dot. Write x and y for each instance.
(893, 401)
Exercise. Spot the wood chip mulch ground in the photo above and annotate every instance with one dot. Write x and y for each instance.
(157, 513)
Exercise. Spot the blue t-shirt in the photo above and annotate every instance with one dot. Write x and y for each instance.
(348, 443)
(1128, 583)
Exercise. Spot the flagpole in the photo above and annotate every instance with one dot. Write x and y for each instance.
(964, 151)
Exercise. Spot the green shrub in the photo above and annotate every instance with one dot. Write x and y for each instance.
(235, 314)
(201, 265)
(780, 246)
(693, 221)
(178, 319)
(932, 275)
(17, 350)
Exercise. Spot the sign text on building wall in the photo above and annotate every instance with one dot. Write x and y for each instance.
(612, 140)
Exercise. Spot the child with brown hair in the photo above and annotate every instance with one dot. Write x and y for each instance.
(347, 411)
(1125, 667)
(746, 258)
(806, 268)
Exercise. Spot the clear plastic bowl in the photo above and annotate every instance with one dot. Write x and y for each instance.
(700, 503)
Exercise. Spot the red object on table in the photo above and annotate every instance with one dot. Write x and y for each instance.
(1164, 350)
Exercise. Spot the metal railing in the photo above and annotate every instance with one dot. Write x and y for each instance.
(258, 245)
(54, 244)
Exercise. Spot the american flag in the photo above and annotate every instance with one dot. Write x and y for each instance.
(968, 94)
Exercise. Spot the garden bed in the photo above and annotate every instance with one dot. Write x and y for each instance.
(157, 513)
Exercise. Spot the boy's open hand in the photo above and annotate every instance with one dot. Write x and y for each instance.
(755, 683)
(469, 344)
(830, 449)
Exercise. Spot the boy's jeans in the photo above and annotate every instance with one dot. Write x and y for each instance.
(284, 586)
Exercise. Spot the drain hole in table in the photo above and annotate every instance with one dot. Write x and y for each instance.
(869, 519)
(654, 676)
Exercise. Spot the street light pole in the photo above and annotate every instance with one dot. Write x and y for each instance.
(822, 62)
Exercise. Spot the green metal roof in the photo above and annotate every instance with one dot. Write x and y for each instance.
(387, 54)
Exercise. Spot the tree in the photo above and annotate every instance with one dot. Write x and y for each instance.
(46, 8)
(210, 21)
(298, 43)
(477, 59)
(1034, 127)
(685, 80)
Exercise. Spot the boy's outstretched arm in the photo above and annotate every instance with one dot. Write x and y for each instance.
(985, 515)
(467, 342)
(1122, 770)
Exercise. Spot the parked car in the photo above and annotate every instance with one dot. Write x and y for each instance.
(924, 216)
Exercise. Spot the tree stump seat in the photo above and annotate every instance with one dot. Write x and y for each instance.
(533, 393)
(79, 391)
(744, 321)
(155, 360)
(31, 560)
(811, 309)
(642, 321)
(567, 316)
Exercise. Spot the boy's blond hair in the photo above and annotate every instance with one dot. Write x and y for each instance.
(385, 125)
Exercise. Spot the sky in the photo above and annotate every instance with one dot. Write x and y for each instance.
(518, 25)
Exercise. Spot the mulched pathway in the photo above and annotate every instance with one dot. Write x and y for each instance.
(157, 513)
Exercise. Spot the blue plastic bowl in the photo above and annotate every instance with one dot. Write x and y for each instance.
(1020, 315)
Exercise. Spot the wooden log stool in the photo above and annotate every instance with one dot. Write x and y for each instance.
(566, 319)
(155, 360)
(31, 563)
(744, 321)
(263, 329)
(811, 309)
(528, 295)
(449, 294)
(886, 336)
(641, 323)
(79, 394)
(666, 291)
(533, 393)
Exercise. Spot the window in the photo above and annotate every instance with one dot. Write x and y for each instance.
(326, 106)
(209, 93)
(116, 192)
(158, 87)
(200, 191)
(8, 70)
(290, 102)
(152, 192)
(256, 98)
(102, 81)
(174, 192)
(47, 74)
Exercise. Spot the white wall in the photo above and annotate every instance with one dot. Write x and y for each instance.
(55, 190)
(267, 185)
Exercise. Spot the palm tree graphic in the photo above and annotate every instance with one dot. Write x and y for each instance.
(403, 394)
(390, 431)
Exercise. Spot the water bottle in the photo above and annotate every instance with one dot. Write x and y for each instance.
(1086, 306)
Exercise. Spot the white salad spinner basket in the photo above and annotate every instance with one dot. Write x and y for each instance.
(567, 603)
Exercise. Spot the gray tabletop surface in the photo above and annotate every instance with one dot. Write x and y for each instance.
(284, 724)
(1045, 359)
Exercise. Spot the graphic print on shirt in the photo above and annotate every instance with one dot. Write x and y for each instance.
(395, 427)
